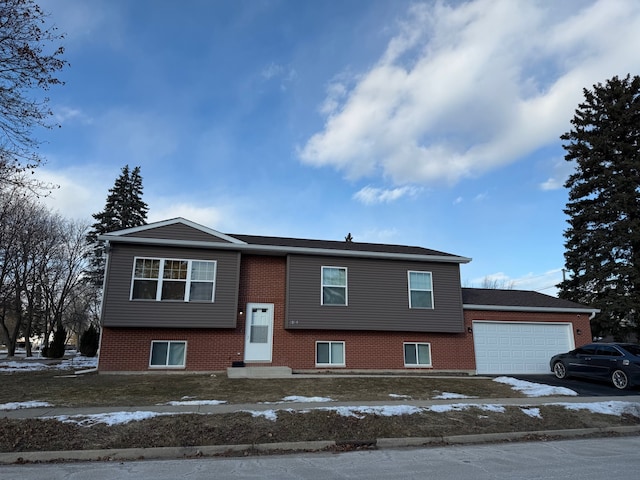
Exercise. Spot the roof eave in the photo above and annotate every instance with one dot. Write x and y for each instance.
(279, 250)
(510, 308)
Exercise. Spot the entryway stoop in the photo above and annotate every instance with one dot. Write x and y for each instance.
(259, 372)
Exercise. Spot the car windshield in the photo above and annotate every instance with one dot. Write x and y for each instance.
(633, 349)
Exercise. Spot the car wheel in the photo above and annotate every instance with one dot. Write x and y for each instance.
(560, 370)
(619, 379)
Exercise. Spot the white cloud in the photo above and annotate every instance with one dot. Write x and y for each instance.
(64, 114)
(464, 89)
(285, 74)
(83, 190)
(560, 173)
(370, 195)
(207, 216)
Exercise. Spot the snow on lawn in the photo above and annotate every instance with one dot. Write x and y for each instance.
(268, 414)
(465, 406)
(606, 408)
(76, 362)
(18, 405)
(449, 396)
(383, 410)
(396, 395)
(533, 412)
(109, 419)
(531, 389)
(299, 399)
(194, 402)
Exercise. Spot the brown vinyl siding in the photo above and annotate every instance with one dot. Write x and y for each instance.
(377, 293)
(120, 311)
(177, 231)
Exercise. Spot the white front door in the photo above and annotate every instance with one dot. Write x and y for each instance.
(259, 332)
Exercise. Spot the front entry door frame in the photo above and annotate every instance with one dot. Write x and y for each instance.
(258, 343)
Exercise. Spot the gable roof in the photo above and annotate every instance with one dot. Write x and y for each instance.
(518, 300)
(278, 245)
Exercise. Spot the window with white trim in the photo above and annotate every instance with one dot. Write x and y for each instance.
(420, 290)
(330, 354)
(417, 354)
(334, 286)
(173, 280)
(167, 354)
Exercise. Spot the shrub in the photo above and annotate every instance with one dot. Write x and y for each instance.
(56, 347)
(89, 342)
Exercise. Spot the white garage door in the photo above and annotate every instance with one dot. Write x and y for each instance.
(517, 347)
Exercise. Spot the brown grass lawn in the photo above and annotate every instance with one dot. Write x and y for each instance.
(60, 389)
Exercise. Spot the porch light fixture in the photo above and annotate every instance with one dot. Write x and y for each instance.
(469, 330)
(579, 332)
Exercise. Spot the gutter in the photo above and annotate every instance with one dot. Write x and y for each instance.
(504, 308)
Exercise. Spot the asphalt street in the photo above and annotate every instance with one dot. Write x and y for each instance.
(567, 459)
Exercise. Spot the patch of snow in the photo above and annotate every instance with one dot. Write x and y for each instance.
(449, 396)
(79, 361)
(296, 398)
(75, 362)
(395, 395)
(606, 408)
(382, 410)
(19, 405)
(465, 406)
(531, 411)
(109, 419)
(22, 366)
(194, 402)
(531, 389)
(268, 414)
(299, 399)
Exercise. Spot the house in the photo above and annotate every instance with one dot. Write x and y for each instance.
(179, 296)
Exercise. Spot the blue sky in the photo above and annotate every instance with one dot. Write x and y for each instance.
(421, 123)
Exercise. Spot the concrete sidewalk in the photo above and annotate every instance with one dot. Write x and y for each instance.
(237, 407)
(212, 450)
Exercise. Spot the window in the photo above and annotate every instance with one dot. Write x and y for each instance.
(417, 355)
(420, 290)
(166, 354)
(173, 279)
(330, 354)
(334, 286)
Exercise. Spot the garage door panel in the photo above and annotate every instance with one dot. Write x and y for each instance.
(516, 347)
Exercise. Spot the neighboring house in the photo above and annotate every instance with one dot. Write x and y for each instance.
(180, 296)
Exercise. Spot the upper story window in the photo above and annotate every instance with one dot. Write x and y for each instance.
(420, 290)
(173, 279)
(334, 286)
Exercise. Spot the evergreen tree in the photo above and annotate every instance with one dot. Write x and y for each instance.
(56, 347)
(124, 209)
(89, 342)
(603, 239)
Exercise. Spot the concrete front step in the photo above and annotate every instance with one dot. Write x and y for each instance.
(258, 372)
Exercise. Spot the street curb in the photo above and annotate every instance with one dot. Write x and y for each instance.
(159, 453)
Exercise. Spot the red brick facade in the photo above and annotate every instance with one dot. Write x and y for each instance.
(263, 280)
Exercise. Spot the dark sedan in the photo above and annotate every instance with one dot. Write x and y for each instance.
(617, 362)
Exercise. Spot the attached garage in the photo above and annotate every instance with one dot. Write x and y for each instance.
(503, 347)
